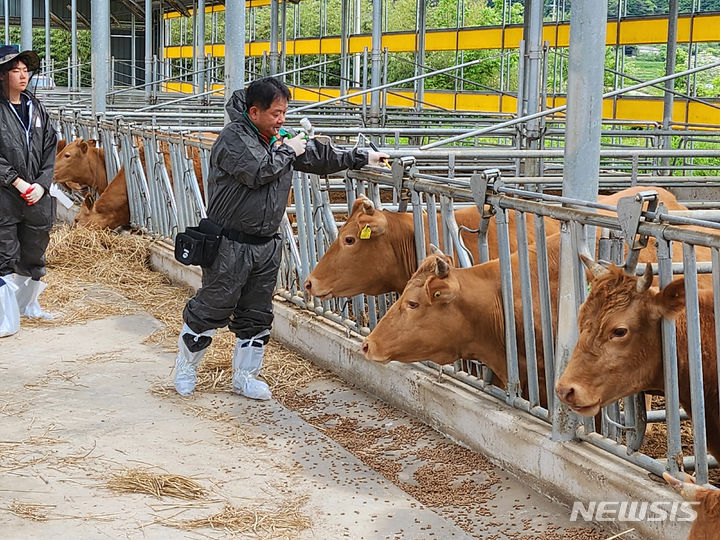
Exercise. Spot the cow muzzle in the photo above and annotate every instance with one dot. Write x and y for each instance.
(574, 397)
(312, 288)
(370, 351)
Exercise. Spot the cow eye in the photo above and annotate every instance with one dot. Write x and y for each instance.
(412, 304)
(619, 332)
(349, 240)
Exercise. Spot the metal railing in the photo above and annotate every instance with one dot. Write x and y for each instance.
(166, 195)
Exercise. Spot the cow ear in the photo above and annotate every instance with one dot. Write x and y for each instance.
(83, 146)
(671, 300)
(373, 224)
(92, 142)
(440, 290)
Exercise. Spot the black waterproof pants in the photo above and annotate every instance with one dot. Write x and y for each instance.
(24, 237)
(237, 289)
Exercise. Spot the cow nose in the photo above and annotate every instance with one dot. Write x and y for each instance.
(308, 285)
(566, 393)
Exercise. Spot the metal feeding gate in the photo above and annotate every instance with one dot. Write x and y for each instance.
(437, 182)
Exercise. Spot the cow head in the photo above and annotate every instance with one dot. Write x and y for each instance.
(361, 259)
(426, 323)
(619, 347)
(83, 215)
(81, 163)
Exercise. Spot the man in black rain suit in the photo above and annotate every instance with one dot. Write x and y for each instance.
(251, 169)
(27, 159)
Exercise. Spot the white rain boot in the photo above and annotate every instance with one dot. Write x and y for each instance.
(247, 361)
(191, 349)
(9, 312)
(27, 297)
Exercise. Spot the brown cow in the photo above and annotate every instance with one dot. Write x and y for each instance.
(115, 207)
(81, 164)
(447, 313)
(619, 348)
(111, 210)
(707, 507)
(384, 261)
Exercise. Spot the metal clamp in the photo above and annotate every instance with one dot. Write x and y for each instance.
(480, 183)
(630, 211)
(397, 170)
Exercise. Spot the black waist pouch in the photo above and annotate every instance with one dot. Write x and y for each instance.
(198, 245)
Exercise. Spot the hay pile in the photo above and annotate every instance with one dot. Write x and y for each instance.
(156, 484)
(284, 519)
(35, 512)
(80, 259)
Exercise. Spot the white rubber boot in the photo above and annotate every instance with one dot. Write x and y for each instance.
(191, 349)
(247, 361)
(9, 312)
(27, 297)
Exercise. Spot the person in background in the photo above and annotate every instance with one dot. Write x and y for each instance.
(27, 159)
(251, 170)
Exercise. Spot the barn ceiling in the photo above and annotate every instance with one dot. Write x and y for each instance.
(121, 11)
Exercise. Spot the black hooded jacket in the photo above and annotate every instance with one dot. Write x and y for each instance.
(249, 180)
(28, 154)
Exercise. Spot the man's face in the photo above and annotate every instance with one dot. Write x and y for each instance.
(270, 120)
(15, 80)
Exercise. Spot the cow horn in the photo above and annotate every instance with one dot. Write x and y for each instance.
(596, 269)
(688, 490)
(441, 267)
(368, 207)
(434, 250)
(643, 284)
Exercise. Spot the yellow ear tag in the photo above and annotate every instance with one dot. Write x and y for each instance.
(365, 233)
(437, 294)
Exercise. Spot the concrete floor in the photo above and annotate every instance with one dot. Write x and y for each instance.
(84, 402)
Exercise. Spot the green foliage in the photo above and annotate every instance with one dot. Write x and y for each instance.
(61, 51)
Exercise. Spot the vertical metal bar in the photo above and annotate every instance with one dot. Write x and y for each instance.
(432, 219)
(375, 60)
(200, 45)
(527, 305)
(301, 228)
(670, 365)
(6, 11)
(344, 42)
(580, 176)
(420, 25)
(273, 37)
(695, 364)
(668, 98)
(48, 62)
(133, 50)
(546, 314)
(511, 353)
(26, 24)
(148, 49)
(283, 38)
(418, 224)
(234, 46)
(100, 56)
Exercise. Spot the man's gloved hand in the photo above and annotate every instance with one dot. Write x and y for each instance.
(377, 159)
(297, 143)
(34, 193)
